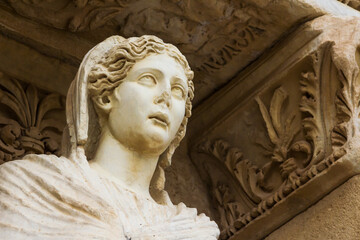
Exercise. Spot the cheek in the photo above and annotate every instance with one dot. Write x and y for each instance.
(178, 113)
(136, 101)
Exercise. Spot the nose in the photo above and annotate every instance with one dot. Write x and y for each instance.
(164, 98)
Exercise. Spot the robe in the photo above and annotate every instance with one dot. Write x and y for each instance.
(49, 197)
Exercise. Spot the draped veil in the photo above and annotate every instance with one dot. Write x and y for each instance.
(50, 197)
(83, 129)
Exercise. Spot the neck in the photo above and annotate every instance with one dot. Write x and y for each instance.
(128, 167)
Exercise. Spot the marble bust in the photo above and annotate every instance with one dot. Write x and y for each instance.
(127, 111)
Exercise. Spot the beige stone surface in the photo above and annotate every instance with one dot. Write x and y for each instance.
(219, 38)
(126, 111)
(277, 92)
(279, 129)
(26, 64)
(336, 216)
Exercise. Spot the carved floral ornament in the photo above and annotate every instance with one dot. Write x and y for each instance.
(301, 143)
(210, 34)
(25, 126)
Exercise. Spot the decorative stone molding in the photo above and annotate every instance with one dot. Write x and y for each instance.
(273, 141)
(301, 140)
(30, 121)
(351, 3)
(219, 38)
(216, 31)
(28, 65)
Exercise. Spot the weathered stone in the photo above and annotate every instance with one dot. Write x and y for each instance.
(336, 216)
(127, 111)
(275, 124)
(287, 121)
(31, 121)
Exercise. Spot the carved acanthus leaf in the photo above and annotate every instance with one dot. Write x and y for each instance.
(282, 131)
(298, 147)
(231, 159)
(347, 104)
(310, 106)
(24, 127)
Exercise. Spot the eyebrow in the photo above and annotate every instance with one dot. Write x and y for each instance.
(159, 73)
(180, 80)
(142, 70)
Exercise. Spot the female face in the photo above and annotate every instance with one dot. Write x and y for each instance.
(148, 107)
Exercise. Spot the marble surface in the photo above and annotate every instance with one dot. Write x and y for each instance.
(127, 111)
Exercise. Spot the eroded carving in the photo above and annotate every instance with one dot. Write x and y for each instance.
(283, 150)
(209, 33)
(24, 125)
(225, 198)
(127, 112)
(302, 142)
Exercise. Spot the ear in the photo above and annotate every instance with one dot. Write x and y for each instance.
(103, 102)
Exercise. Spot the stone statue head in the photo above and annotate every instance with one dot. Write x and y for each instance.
(101, 72)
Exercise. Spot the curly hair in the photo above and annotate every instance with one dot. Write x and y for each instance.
(110, 70)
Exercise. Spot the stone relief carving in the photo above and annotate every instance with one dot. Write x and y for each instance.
(302, 143)
(230, 194)
(291, 153)
(126, 113)
(26, 126)
(215, 31)
(281, 131)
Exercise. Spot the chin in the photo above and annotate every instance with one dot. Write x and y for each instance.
(158, 141)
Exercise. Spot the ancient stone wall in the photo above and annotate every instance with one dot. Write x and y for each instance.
(275, 124)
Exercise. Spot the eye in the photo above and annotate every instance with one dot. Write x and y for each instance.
(147, 80)
(178, 91)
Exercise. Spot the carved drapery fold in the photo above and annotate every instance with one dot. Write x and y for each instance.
(30, 121)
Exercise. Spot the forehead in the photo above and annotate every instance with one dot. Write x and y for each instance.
(162, 63)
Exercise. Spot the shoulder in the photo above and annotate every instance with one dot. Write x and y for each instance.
(34, 160)
(29, 165)
(34, 175)
(49, 193)
(36, 165)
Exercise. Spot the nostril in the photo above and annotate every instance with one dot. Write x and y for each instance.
(165, 98)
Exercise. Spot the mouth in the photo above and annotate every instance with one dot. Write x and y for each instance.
(160, 118)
